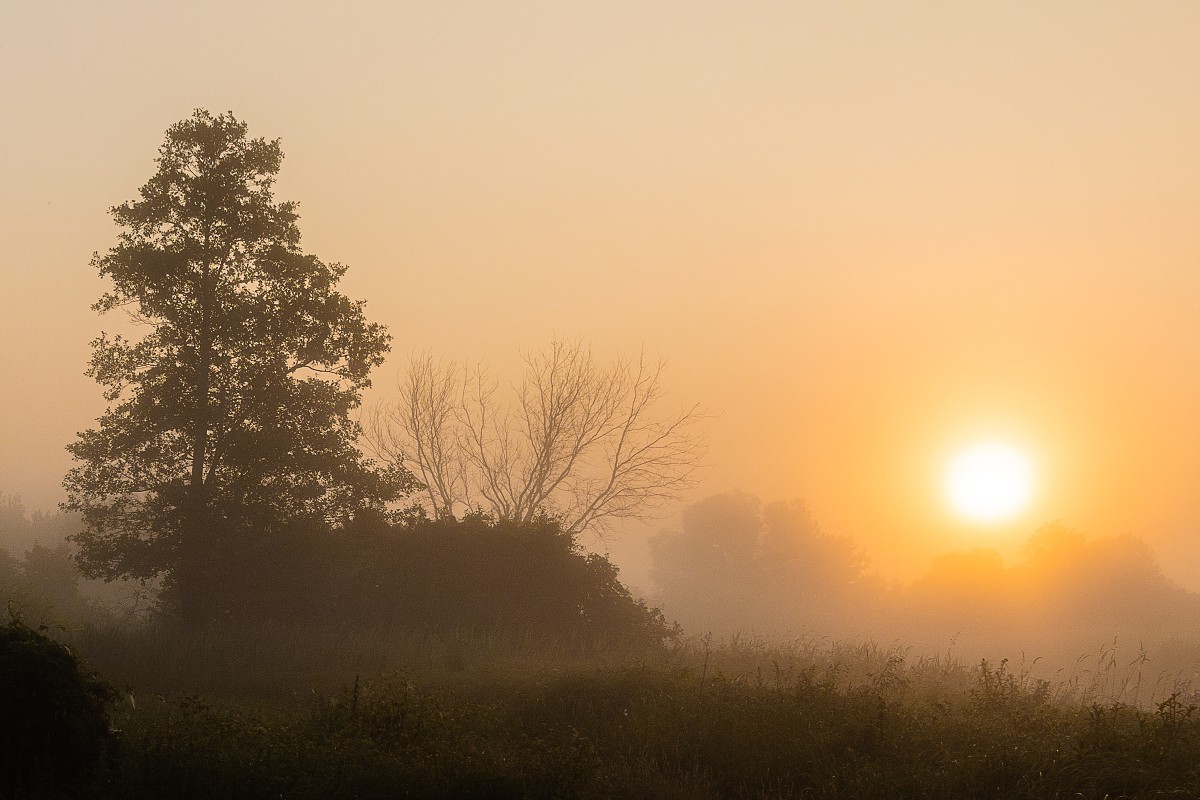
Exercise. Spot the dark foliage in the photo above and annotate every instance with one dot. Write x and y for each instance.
(474, 574)
(53, 717)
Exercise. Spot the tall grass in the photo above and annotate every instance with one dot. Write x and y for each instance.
(332, 713)
(272, 663)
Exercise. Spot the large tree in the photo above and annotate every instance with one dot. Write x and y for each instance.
(232, 414)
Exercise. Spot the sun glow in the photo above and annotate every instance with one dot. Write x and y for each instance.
(989, 482)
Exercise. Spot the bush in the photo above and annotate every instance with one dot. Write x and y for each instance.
(435, 576)
(54, 713)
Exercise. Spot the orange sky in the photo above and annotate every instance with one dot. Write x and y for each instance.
(863, 234)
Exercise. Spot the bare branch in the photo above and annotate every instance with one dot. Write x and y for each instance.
(579, 441)
(418, 431)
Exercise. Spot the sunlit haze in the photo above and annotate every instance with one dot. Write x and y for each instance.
(864, 236)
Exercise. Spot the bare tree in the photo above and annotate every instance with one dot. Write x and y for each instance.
(420, 429)
(578, 440)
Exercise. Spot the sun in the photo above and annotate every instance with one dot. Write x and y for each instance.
(989, 482)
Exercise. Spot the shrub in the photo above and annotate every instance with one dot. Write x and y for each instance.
(445, 575)
(54, 715)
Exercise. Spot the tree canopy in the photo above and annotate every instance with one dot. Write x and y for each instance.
(234, 409)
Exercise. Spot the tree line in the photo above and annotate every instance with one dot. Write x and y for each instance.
(736, 566)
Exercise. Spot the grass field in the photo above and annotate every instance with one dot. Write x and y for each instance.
(340, 713)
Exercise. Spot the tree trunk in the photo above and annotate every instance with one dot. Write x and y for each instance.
(191, 571)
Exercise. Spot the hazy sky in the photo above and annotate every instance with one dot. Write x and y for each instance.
(863, 234)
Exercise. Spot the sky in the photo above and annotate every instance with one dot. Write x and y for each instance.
(864, 235)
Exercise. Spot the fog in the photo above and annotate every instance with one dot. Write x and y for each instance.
(539, 399)
(1067, 607)
(1070, 608)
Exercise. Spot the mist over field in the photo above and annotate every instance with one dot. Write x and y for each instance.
(1072, 609)
(619, 400)
(1065, 606)
(739, 569)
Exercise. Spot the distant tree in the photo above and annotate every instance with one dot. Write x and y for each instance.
(16, 530)
(739, 566)
(10, 575)
(581, 442)
(1066, 594)
(1111, 583)
(52, 578)
(963, 590)
(233, 412)
(1053, 542)
(708, 573)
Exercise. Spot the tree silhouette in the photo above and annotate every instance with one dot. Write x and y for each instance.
(233, 412)
(738, 566)
(581, 441)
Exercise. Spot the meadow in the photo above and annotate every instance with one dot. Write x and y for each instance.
(333, 712)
